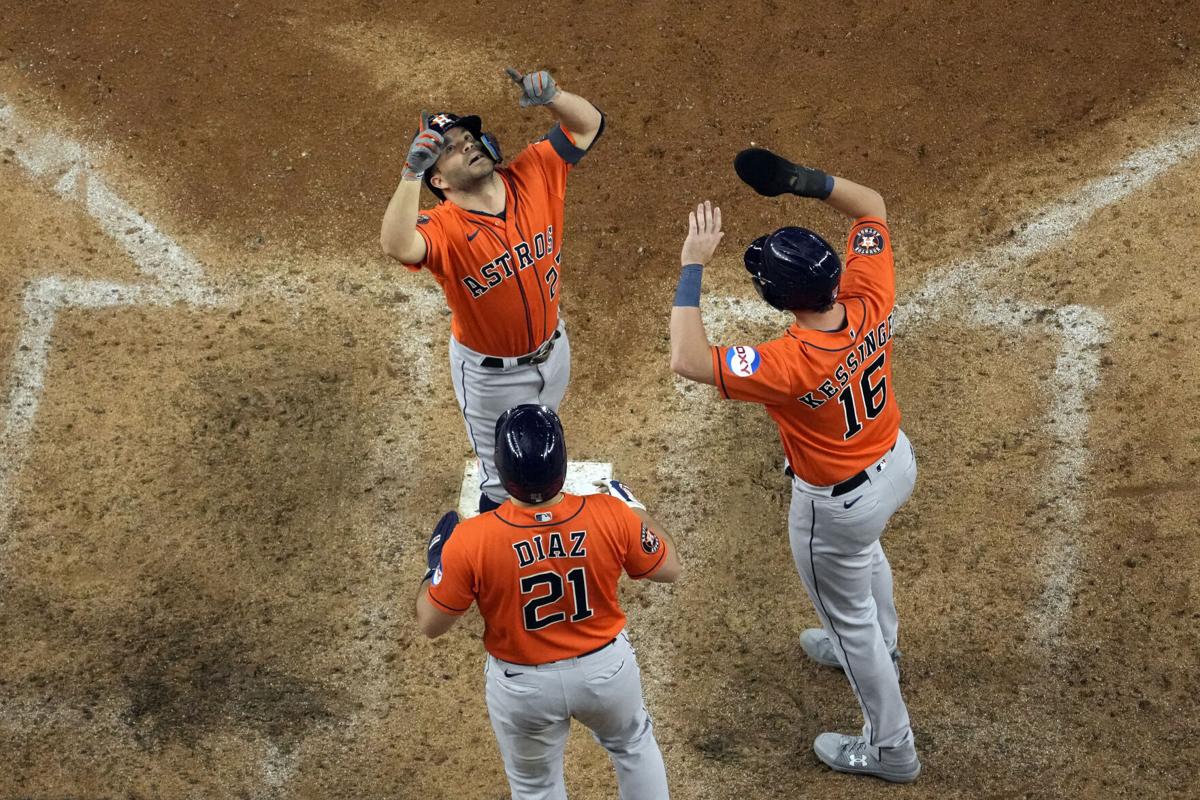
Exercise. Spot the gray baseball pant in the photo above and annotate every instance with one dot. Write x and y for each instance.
(484, 393)
(835, 542)
(531, 709)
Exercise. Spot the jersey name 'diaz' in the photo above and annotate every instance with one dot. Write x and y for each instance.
(500, 268)
(534, 549)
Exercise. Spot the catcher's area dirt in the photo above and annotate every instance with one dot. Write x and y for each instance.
(217, 520)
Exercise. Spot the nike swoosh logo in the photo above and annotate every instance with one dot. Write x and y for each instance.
(471, 236)
(852, 502)
(508, 674)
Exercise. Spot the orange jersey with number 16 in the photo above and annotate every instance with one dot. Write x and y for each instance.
(546, 578)
(830, 392)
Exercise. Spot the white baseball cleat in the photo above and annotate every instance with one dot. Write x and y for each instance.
(817, 646)
(851, 754)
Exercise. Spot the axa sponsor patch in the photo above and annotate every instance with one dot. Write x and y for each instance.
(742, 361)
(868, 241)
(650, 541)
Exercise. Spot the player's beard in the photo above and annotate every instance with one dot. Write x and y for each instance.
(476, 179)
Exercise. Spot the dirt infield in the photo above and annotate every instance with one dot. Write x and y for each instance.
(228, 425)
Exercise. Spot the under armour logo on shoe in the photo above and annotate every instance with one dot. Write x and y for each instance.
(858, 761)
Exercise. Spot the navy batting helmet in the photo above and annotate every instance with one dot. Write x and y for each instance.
(531, 454)
(794, 269)
(444, 121)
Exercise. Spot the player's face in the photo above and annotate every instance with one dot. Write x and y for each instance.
(463, 161)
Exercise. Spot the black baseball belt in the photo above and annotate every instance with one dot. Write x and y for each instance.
(848, 485)
(536, 357)
(609, 643)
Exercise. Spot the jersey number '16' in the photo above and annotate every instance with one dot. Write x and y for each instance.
(578, 580)
(874, 397)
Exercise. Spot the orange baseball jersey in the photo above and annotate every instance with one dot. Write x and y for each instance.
(831, 393)
(545, 579)
(500, 274)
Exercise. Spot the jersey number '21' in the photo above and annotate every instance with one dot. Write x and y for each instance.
(874, 397)
(578, 580)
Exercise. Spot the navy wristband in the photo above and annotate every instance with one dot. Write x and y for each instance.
(687, 293)
(828, 188)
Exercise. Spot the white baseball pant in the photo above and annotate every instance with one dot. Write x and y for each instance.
(835, 542)
(531, 709)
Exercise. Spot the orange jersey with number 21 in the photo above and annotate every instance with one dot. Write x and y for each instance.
(546, 578)
(830, 392)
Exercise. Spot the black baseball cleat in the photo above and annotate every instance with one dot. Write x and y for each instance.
(766, 173)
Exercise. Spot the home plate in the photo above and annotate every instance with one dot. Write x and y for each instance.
(580, 477)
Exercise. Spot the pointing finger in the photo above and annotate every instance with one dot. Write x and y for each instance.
(424, 120)
(516, 76)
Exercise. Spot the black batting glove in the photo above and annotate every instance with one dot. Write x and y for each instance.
(437, 540)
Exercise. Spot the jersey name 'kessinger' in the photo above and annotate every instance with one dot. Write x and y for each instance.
(830, 392)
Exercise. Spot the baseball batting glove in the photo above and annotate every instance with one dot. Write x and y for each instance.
(538, 87)
(437, 540)
(621, 492)
(423, 152)
(771, 175)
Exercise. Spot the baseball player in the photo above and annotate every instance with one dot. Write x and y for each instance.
(494, 245)
(543, 569)
(827, 383)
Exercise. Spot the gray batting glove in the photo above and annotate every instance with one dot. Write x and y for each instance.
(538, 87)
(424, 151)
(619, 491)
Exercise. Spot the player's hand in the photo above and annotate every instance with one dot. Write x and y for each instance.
(620, 491)
(423, 152)
(437, 540)
(538, 88)
(704, 234)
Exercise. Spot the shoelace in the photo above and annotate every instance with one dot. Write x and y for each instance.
(858, 746)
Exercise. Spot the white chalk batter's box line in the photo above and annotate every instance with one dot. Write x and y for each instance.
(178, 278)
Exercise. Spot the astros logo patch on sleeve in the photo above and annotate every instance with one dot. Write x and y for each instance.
(742, 361)
(650, 542)
(868, 242)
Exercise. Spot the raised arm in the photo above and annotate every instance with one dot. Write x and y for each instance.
(691, 352)
(772, 175)
(398, 233)
(855, 200)
(578, 117)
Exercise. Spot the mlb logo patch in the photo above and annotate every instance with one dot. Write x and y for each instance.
(742, 361)
(543, 516)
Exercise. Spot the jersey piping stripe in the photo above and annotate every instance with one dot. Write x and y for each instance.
(721, 373)
(835, 349)
(466, 419)
(451, 609)
(812, 564)
(657, 564)
(543, 524)
(516, 197)
(520, 288)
